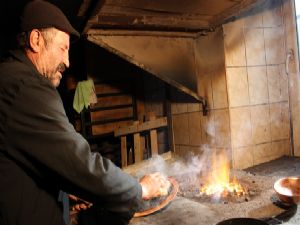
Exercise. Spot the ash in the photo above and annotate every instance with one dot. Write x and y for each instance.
(246, 180)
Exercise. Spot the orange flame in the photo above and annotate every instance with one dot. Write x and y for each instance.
(218, 181)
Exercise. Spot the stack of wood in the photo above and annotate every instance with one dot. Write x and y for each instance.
(136, 129)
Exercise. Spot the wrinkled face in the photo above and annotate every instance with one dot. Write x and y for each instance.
(54, 57)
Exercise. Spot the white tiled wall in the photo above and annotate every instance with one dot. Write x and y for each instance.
(247, 91)
(258, 87)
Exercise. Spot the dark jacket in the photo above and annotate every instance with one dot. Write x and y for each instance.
(41, 153)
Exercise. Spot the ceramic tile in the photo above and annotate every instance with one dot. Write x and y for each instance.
(241, 128)
(277, 83)
(196, 150)
(237, 86)
(261, 153)
(274, 45)
(176, 149)
(289, 27)
(194, 121)
(239, 23)
(260, 119)
(284, 83)
(280, 125)
(253, 19)
(180, 126)
(296, 129)
(219, 89)
(184, 151)
(222, 128)
(242, 158)
(272, 16)
(194, 107)
(258, 85)
(205, 88)
(181, 107)
(235, 51)
(281, 148)
(179, 151)
(208, 128)
(255, 49)
(173, 108)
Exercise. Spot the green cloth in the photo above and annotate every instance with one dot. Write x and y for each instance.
(84, 95)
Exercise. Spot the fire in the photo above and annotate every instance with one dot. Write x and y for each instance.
(219, 182)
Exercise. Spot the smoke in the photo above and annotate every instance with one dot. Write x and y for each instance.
(190, 168)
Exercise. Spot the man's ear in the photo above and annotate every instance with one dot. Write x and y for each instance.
(36, 40)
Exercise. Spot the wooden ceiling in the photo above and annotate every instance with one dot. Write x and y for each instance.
(172, 15)
(159, 15)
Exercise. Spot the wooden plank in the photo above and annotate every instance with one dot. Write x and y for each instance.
(109, 101)
(105, 88)
(112, 114)
(138, 154)
(154, 144)
(109, 127)
(135, 128)
(123, 151)
(170, 120)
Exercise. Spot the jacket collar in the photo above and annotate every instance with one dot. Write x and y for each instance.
(20, 56)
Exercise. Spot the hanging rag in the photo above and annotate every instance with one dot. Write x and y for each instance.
(85, 95)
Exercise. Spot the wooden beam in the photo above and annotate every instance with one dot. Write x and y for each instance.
(154, 144)
(138, 153)
(124, 151)
(136, 128)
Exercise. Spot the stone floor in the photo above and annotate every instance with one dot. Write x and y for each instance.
(194, 211)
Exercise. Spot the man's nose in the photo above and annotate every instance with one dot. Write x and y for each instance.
(66, 60)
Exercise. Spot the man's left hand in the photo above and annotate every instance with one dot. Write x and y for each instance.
(80, 204)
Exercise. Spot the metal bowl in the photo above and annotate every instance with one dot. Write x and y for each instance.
(288, 189)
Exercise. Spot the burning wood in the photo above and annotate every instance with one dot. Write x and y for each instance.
(219, 183)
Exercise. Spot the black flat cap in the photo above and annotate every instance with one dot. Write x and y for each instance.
(39, 14)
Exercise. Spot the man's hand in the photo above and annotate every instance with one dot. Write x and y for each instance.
(80, 204)
(154, 185)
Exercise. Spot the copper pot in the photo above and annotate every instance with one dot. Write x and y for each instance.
(288, 189)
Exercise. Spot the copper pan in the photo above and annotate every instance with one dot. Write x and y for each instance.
(288, 189)
(162, 203)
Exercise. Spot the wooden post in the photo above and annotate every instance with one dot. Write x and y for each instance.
(153, 135)
(154, 144)
(124, 151)
(138, 154)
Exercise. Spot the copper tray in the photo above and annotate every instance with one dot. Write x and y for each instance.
(163, 203)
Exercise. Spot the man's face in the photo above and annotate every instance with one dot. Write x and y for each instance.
(54, 57)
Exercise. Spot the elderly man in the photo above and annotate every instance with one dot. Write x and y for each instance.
(40, 152)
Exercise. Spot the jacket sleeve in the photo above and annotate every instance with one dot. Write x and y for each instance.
(39, 135)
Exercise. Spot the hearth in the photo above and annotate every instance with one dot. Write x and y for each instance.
(190, 207)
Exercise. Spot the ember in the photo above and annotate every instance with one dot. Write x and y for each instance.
(218, 183)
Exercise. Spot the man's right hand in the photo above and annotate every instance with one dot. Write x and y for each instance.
(154, 185)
